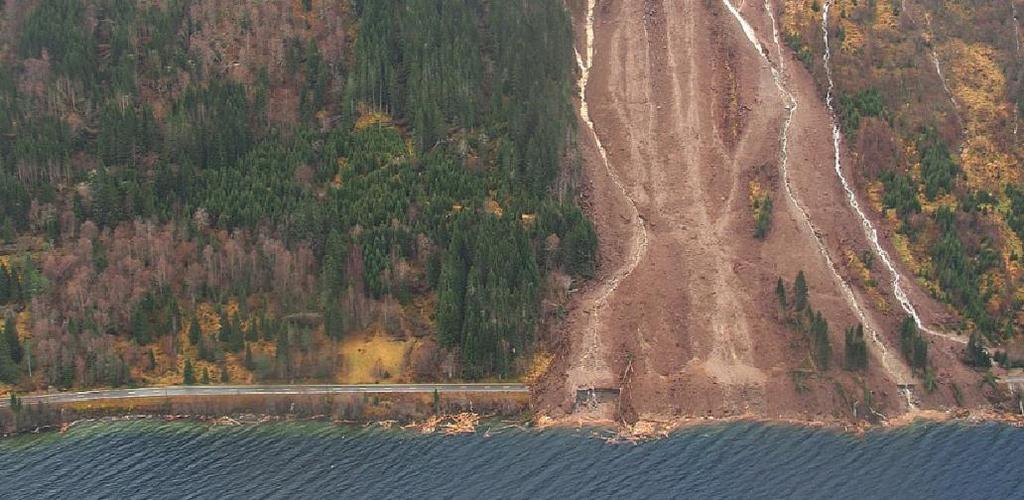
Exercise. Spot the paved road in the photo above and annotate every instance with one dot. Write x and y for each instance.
(258, 390)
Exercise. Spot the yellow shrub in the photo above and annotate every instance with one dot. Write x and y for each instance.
(875, 192)
(372, 118)
(538, 366)
(853, 38)
(884, 18)
(979, 87)
(797, 15)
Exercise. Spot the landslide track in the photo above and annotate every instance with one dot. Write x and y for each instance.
(679, 110)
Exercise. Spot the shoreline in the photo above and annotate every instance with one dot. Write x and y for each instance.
(653, 428)
(468, 422)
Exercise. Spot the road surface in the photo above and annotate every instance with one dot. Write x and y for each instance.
(262, 390)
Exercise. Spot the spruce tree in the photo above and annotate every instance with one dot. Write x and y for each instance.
(248, 357)
(822, 345)
(140, 326)
(5, 285)
(333, 325)
(764, 219)
(780, 293)
(11, 339)
(7, 231)
(8, 369)
(253, 333)
(236, 341)
(451, 296)
(267, 328)
(976, 354)
(283, 354)
(920, 353)
(206, 376)
(224, 335)
(908, 332)
(849, 353)
(856, 349)
(800, 291)
(194, 332)
(333, 270)
(862, 347)
(188, 374)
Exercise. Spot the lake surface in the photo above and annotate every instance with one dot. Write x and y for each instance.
(156, 459)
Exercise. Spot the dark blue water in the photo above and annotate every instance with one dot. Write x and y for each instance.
(153, 459)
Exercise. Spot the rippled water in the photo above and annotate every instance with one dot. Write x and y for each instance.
(304, 460)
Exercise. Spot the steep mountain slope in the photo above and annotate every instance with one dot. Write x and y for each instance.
(285, 190)
(704, 115)
(928, 95)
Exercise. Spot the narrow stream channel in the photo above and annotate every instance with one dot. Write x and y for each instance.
(869, 229)
(893, 367)
(639, 241)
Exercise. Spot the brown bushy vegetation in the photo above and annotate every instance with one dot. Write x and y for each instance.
(938, 152)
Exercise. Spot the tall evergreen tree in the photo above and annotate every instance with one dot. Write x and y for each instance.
(908, 332)
(821, 343)
(140, 326)
(5, 285)
(913, 345)
(194, 332)
(800, 291)
(920, 360)
(248, 357)
(224, 334)
(188, 373)
(8, 369)
(451, 298)
(334, 326)
(11, 339)
(780, 293)
(977, 356)
(856, 352)
(253, 333)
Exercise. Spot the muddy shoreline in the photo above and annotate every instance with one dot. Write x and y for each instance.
(460, 418)
(646, 430)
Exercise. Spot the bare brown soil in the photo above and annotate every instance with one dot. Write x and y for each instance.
(683, 318)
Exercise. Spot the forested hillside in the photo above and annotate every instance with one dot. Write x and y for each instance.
(929, 98)
(241, 187)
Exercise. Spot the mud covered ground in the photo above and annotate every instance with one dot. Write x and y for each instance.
(683, 318)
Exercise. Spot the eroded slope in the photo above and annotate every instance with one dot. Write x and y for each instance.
(691, 111)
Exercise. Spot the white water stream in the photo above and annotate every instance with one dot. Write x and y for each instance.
(1016, 24)
(945, 85)
(869, 229)
(1016, 38)
(639, 241)
(938, 70)
(892, 366)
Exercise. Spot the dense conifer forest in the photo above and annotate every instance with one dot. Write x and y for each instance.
(233, 188)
